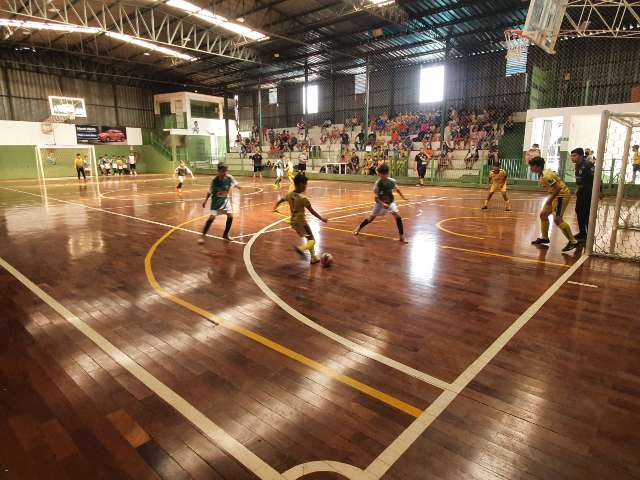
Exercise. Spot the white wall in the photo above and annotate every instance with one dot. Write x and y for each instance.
(30, 133)
(134, 136)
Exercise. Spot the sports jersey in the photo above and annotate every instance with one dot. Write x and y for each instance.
(79, 162)
(279, 164)
(549, 179)
(498, 179)
(636, 158)
(219, 190)
(384, 190)
(297, 203)
(420, 159)
(183, 171)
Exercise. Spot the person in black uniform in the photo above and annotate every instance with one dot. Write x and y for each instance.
(584, 184)
(421, 167)
(257, 165)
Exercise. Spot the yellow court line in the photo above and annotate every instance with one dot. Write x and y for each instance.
(511, 257)
(287, 352)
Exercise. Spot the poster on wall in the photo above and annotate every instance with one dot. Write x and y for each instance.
(97, 135)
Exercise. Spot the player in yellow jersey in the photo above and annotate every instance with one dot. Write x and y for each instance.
(498, 182)
(291, 174)
(556, 204)
(636, 162)
(298, 202)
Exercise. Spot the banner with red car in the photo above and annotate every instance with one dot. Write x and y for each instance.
(100, 134)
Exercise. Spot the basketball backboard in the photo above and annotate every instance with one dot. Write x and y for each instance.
(67, 107)
(543, 23)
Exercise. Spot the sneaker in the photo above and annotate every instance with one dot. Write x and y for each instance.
(580, 236)
(226, 237)
(200, 240)
(507, 209)
(540, 241)
(314, 260)
(581, 239)
(570, 246)
(356, 231)
(484, 207)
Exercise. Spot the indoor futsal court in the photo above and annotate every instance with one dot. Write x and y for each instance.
(319, 240)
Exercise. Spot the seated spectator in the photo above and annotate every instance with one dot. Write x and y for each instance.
(344, 141)
(354, 163)
(395, 137)
(493, 157)
(371, 139)
(301, 126)
(359, 143)
(470, 159)
(533, 152)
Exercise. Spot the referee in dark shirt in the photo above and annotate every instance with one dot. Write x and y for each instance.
(584, 184)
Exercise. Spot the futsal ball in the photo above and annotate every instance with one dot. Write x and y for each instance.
(326, 259)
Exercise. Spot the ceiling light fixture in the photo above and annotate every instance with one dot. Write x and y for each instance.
(65, 27)
(217, 20)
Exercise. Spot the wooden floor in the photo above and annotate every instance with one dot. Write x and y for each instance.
(127, 351)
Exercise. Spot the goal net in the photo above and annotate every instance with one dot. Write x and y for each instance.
(58, 162)
(614, 223)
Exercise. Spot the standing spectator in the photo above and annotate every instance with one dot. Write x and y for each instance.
(272, 137)
(588, 153)
(533, 152)
(344, 142)
(493, 157)
(636, 162)
(470, 159)
(257, 165)
(359, 143)
(301, 126)
(243, 151)
(584, 184)
(354, 163)
(293, 141)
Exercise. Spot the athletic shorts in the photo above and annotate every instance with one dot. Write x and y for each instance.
(559, 206)
(257, 168)
(180, 179)
(302, 167)
(224, 209)
(132, 166)
(302, 229)
(380, 211)
(498, 188)
(636, 168)
(279, 172)
(422, 171)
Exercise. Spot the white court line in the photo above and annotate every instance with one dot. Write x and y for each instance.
(198, 419)
(400, 445)
(140, 219)
(583, 284)
(351, 345)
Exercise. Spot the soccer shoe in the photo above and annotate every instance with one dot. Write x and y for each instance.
(507, 209)
(201, 241)
(570, 246)
(540, 241)
(226, 237)
(484, 207)
(314, 260)
(356, 231)
(402, 239)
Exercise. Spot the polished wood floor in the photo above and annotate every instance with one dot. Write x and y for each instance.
(398, 362)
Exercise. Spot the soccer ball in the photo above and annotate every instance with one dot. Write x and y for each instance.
(326, 259)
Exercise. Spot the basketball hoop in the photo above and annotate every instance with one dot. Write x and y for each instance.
(516, 44)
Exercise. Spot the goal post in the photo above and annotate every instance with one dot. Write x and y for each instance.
(614, 222)
(54, 161)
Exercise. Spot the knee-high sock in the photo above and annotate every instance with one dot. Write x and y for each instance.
(566, 230)
(207, 225)
(228, 226)
(400, 226)
(364, 223)
(544, 227)
(310, 245)
(179, 185)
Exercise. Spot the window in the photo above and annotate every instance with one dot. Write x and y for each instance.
(204, 109)
(165, 108)
(360, 80)
(518, 63)
(273, 96)
(432, 84)
(312, 97)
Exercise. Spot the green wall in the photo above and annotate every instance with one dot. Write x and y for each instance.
(18, 161)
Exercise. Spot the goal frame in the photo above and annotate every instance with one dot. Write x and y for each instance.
(630, 121)
(90, 148)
